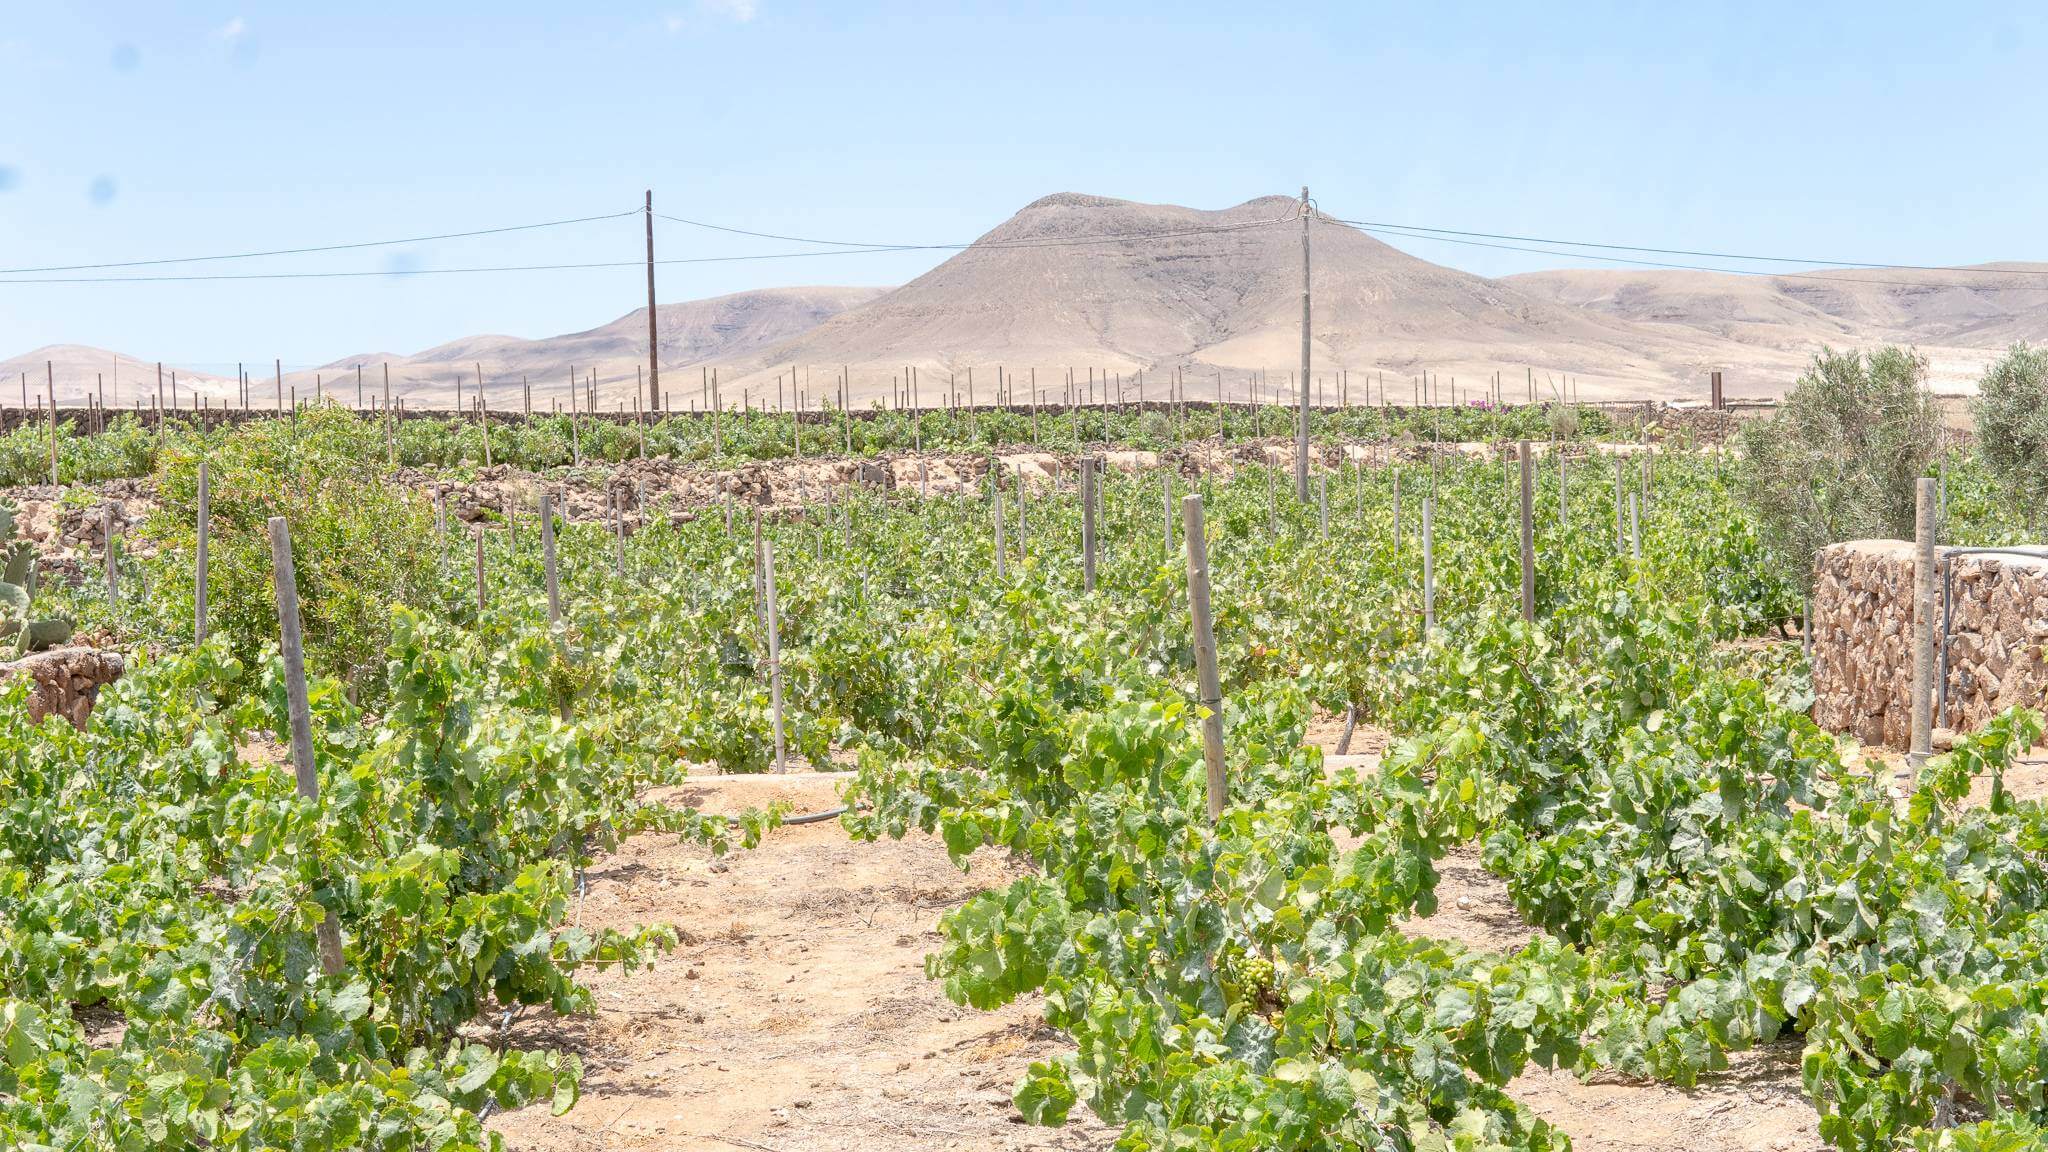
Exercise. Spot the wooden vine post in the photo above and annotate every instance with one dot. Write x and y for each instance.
(480, 599)
(204, 528)
(774, 651)
(996, 495)
(1428, 566)
(328, 933)
(1528, 532)
(1209, 683)
(547, 554)
(1924, 512)
(1088, 524)
(107, 541)
(1620, 507)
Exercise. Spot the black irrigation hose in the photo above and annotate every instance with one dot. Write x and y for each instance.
(817, 817)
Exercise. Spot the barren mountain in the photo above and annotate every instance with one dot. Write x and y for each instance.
(718, 330)
(1076, 281)
(80, 371)
(1960, 317)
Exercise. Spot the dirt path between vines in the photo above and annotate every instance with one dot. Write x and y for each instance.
(796, 1017)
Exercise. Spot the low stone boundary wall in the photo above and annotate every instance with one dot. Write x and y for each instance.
(65, 681)
(1863, 632)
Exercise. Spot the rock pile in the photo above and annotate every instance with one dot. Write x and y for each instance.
(65, 681)
(1863, 633)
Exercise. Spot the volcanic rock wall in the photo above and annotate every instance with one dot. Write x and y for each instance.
(65, 681)
(1863, 632)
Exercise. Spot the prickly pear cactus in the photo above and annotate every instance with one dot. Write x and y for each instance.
(20, 629)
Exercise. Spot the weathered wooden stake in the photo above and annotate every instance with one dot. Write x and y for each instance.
(547, 555)
(1209, 683)
(1924, 513)
(107, 542)
(1528, 532)
(774, 653)
(1166, 513)
(204, 529)
(1088, 524)
(996, 494)
(328, 933)
(480, 586)
(1428, 566)
(1620, 505)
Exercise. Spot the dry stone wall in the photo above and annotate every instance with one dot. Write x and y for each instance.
(65, 681)
(1863, 631)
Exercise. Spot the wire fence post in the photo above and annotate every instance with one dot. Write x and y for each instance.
(328, 933)
(1209, 683)
(204, 529)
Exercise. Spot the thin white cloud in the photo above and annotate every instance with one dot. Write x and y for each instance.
(231, 31)
(739, 11)
(674, 23)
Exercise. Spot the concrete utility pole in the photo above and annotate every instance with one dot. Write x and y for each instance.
(653, 355)
(1301, 428)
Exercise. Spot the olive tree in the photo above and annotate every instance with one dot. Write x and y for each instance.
(1839, 458)
(2012, 429)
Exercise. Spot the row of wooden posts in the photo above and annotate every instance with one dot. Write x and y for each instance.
(1193, 532)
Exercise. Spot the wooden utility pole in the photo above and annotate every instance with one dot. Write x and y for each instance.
(653, 346)
(1301, 426)
(1209, 684)
(328, 932)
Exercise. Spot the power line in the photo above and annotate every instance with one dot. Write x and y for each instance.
(1022, 242)
(1875, 266)
(308, 251)
(868, 250)
(1825, 278)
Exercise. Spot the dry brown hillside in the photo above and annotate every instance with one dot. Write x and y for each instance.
(1079, 281)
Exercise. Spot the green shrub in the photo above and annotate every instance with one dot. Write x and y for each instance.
(2012, 429)
(361, 544)
(1839, 458)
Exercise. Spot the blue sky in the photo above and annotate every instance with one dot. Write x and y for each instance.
(1897, 132)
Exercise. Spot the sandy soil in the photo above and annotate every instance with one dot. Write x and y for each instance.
(797, 1014)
